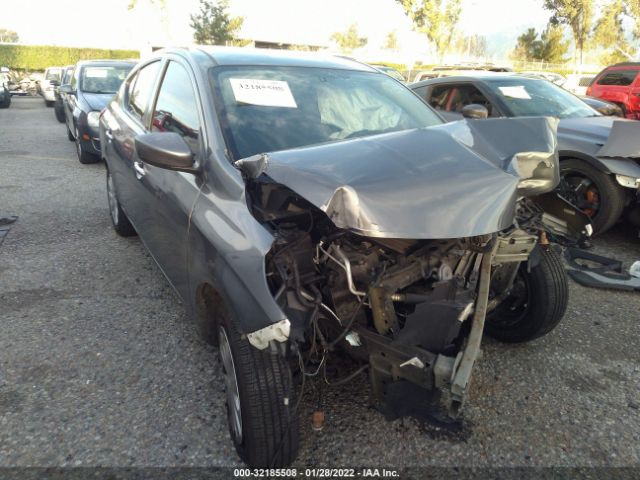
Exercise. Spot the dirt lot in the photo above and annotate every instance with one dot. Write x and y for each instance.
(100, 366)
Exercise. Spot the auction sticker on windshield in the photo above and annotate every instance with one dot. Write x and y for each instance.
(96, 73)
(515, 92)
(266, 93)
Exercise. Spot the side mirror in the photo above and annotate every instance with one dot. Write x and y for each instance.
(54, 83)
(66, 88)
(165, 150)
(475, 111)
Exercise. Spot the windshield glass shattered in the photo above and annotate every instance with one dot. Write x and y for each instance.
(528, 97)
(103, 79)
(266, 109)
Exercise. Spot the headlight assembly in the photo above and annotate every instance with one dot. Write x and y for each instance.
(93, 119)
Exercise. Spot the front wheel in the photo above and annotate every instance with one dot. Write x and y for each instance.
(536, 303)
(594, 192)
(84, 157)
(121, 223)
(260, 403)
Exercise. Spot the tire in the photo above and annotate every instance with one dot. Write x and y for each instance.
(119, 219)
(59, 112)
(537, 305)
(84, 157)
(6, 103)
(266, 434)
(48, 103)
(610, 196)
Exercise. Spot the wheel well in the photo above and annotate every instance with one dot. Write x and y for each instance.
(209, 305)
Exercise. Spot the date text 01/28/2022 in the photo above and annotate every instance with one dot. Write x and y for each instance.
(315, 473)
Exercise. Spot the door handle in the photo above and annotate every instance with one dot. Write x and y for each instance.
(108, 134)
(139, 168)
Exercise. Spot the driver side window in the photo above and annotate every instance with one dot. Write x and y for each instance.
(453, 98)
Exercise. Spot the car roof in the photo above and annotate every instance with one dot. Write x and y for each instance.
(105, 63)
(480, 77)
(231, 56)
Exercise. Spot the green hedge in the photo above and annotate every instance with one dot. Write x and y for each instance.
(33, 57)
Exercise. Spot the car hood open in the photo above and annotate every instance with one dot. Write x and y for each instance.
(454, 180)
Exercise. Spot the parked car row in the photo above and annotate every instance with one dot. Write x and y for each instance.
(78, 101)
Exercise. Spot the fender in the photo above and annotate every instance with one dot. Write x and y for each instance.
(615, 166)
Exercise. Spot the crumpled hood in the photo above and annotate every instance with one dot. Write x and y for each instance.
(450, 181)
(97, 101)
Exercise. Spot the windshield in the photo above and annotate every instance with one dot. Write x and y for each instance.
(528, 97)
(265, 109)
(103, 79)
(53, 74)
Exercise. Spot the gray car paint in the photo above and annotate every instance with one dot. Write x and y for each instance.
(220, 242)
(582, 138)
(449, 181)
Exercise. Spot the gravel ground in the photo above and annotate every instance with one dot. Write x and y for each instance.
(100, 366)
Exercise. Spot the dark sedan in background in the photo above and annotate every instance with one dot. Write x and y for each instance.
(58, 104)
(90, 88)
(599, 155)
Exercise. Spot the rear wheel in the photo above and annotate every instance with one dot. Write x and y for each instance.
(592, 191)
(121, 223)
(259, 391)
(59, 112)
(48, 103)
(536, 303)
(6, 103)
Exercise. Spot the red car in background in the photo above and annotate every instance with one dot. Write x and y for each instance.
(619, 84)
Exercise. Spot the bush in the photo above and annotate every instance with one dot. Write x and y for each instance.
(35, 57)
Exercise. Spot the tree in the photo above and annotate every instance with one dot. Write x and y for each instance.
(577, 14)
(391, 42)
(437, 21)
(634, 12)
(528, 46)
(8, 36)
(551, 47)
(609, 34)
(349, 40)
(214, 26)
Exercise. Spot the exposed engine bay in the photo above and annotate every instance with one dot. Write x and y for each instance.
(408, 310)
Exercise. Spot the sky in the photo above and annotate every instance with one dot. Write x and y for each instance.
(109, 24)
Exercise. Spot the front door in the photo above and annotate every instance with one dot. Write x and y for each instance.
(169, 196)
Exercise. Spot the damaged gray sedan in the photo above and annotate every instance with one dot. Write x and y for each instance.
(302, 205)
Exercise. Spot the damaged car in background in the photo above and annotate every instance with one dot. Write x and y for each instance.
(599, 156)
(302, 205)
